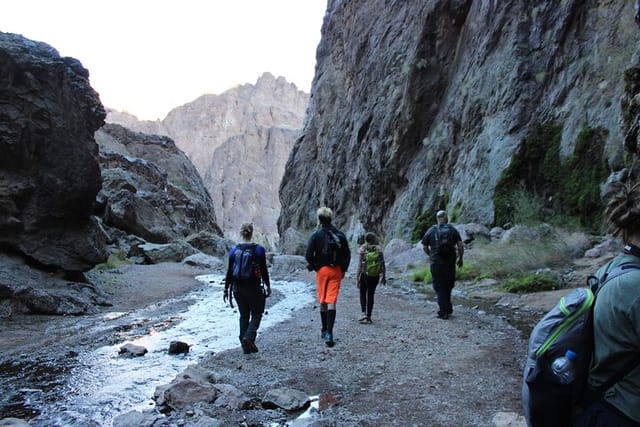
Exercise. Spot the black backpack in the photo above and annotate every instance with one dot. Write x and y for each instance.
(245, 262)
(445, 246)
(332, 248)
(568, 326)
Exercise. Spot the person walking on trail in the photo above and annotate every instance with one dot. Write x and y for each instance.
(616, 321)
(371, 271)
(442, 243)
(328, 254)
(246, 274)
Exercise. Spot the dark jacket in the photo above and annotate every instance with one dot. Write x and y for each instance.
(318, 254)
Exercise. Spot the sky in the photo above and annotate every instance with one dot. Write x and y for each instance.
(147, 57)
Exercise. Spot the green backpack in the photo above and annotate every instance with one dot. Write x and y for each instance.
(372, 262)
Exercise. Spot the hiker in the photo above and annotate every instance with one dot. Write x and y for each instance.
(329, 256)
(440, 243)
(246, 285)
(616, 321)
(371, 271)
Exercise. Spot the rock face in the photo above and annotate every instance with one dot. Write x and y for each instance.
(151, 190)
(49, 172)
(424, 105)
(239, 142)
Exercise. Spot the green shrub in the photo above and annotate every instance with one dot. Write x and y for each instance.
(421, 275)
(115, 260)
(538, 186)
(536, 282)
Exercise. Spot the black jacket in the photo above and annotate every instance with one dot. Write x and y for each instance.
(318, 254)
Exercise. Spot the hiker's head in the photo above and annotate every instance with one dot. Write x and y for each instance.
(371, 238)
(442, 217)
(324, 215)
(246, 230)
(623, 212)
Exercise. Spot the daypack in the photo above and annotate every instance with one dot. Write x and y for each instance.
(568, 326)
(331, 250)
(372, 261)
(445, 247)
(245, 262)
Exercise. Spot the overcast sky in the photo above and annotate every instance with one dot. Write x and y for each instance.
(149, 56)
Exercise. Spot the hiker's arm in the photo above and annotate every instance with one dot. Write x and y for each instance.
(460, 252)
(262, 256)
(229, 276)
(310, 254)
(360, 264)
(383, 269)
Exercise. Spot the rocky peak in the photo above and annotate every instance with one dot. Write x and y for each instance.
(239, 142)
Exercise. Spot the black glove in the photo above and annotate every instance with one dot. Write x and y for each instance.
(225, 296)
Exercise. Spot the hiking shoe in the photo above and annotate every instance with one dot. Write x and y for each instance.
(250, 345)
(443, 316)
(363, 317)
(328, 339)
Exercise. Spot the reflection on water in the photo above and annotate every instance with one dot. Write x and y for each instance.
(95, 386)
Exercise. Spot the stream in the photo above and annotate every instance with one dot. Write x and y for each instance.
(90, 388)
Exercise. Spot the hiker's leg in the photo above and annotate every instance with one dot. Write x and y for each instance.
(438, 287)
(245, 312)
(331, 297)
(372, 283)
(452, 282)
(323, 317)
(363, 294)
(256, 307)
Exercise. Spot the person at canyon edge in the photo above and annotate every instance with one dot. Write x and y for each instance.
(442, 243)
(616, 322)
(371, 271)
(248, 288)
(328, 254)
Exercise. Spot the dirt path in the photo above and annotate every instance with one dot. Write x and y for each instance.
(408, 368)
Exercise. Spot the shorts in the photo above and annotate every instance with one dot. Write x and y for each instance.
(328, 280)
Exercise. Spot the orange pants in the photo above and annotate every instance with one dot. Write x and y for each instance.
(328, 284)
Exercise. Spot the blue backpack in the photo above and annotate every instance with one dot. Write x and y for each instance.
(245, 262)
(568, 326)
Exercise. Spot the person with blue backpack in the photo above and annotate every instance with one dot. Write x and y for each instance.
(247, 279)
(616, 322)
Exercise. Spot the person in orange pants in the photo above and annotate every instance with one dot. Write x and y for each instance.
(328, 254)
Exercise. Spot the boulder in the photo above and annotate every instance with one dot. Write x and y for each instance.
(132, 350)
(49, 171)
(286, 398)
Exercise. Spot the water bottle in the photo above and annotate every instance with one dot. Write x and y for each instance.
(563, 368)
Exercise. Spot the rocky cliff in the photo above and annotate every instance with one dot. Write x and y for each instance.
(49, 171)
(239, 141)
(425, 105)
(150, 188)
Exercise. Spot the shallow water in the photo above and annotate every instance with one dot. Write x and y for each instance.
(92, 387)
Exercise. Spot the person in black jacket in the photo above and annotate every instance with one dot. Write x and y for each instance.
(443, 245)
(329, 256)
(248, 291)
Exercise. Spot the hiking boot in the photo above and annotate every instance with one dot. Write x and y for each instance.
(328, 339)
(363, 317)
(249, 345)
(443, 316)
